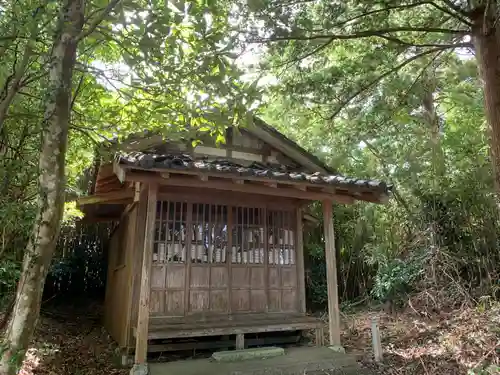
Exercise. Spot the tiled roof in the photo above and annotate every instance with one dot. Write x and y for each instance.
(186, 162)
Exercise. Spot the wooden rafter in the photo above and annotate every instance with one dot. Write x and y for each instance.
(230, 186)
(358, 192)
(113, 197)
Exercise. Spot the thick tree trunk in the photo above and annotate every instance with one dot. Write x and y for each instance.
(45, 231)
(486, 40)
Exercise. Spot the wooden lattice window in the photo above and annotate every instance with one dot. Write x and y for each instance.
(248, 245)
(209, 233)
(171, 237)
(281, 237)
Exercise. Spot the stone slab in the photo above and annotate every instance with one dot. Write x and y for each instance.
(246, 354)
(140, 369)
(296, 361)
(337, 348)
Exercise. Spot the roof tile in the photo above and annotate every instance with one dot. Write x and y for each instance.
(186, 162)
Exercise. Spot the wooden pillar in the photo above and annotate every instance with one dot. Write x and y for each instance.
(141, 344)
(240, 341)
(299, 251)
(331, 275)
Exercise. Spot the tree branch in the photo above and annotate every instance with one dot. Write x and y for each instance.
(13, 88)
(382, 76)
(381, 159)
(455, 7)
(77, 91)
(364, 34)
(387, 9)
(454, 14)
(424, 45)
(406, 6)
(97, 21)
(386, 37)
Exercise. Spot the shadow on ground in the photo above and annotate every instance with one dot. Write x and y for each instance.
(466, 341)
(71, 340)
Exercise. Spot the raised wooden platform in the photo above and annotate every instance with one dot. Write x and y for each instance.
(161, 329)
(165, 329)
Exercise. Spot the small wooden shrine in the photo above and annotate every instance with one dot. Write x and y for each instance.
(208, 239)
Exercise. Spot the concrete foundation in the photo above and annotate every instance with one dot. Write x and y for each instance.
(295, 361)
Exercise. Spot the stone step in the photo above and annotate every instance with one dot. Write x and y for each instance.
(246, 354)
(295, 361)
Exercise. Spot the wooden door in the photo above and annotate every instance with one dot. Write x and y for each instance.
(168, 273)
(216, 259)
(208, 268)
(263, 269)
(282, 269)
(248, 260)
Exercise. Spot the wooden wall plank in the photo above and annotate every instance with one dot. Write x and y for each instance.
(174, 302)
(219, 301)
(175, 276)
(141, 346)
(110, 287)
(331, 274)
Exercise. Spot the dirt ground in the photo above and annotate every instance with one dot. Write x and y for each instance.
(72, 341)
(465, 341)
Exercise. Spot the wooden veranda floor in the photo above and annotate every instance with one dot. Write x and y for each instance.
(172, 334)
(167, 328)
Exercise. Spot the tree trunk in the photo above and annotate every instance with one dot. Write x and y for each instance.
(486, 39)
(45, 230)
(432, 119)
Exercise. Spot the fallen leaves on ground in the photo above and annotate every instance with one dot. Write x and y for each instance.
(71, 342)
(466, 341)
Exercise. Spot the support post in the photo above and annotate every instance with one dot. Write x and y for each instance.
(299, 244)
(141, 345)
(331, 276)
(240, 341)
(377, 345)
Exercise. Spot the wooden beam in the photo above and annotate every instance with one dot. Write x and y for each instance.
(119, 172)
(300, 260)
(331, 274)
(165, 174)
(245, 188)
(240, 341)
(106, 198)
(137, 188)
(310, 218)
(289, 150)
(99, 219)
(203, 177)
(239, 182)
(300, 185)
(141, 345)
